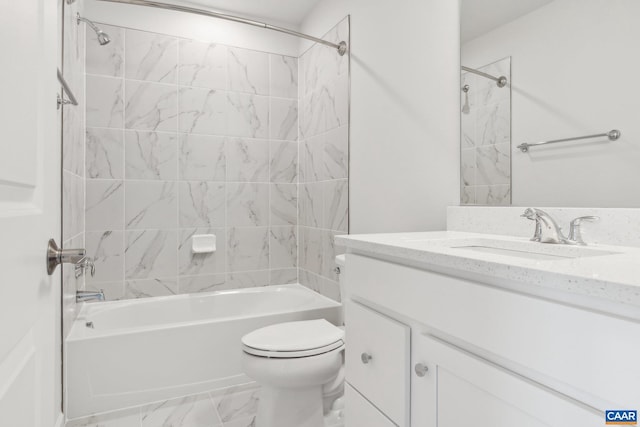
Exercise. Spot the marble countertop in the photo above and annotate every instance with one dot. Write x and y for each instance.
(602, 272)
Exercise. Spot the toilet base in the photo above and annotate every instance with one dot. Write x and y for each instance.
(299, 407)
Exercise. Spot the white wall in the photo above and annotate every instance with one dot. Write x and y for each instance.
(404, 144)
(574, 72)
(192, 26)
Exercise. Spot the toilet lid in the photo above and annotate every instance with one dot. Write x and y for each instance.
(294, 339)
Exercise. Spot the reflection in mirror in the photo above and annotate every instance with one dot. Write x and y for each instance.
(571, 67)
(486, 134)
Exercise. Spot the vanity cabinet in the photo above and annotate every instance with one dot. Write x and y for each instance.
(461, 389)
(429, 349)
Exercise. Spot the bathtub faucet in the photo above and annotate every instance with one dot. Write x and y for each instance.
(83, 296)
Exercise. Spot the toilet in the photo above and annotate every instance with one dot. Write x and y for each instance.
(300, 367)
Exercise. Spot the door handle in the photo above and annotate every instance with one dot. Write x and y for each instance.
(56, 256)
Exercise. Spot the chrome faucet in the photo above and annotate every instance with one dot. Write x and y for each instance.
(547, 230)
(83, 296)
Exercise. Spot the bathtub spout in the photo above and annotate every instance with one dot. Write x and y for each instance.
(83, 296)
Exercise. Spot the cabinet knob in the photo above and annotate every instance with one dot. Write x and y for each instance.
(366, 358)
(421, 369)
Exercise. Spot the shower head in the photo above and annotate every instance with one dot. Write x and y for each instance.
(103, 38)
(465, 108)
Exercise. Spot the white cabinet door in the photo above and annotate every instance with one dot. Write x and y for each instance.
(30, 387)
(460, 389)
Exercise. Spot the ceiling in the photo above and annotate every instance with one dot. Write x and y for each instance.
(290, 12)
(481, 16)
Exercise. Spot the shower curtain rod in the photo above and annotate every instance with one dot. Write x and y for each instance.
(340, 47)
(500, 81)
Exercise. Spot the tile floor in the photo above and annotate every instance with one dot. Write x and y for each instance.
(231, 407)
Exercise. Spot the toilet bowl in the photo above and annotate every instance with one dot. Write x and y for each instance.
(297, 364)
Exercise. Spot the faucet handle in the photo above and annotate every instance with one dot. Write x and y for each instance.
(530, 213)
(578, 220)
(575, 234)
(84, 264)
(533, 215)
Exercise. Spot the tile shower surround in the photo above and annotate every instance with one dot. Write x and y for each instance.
(73, 171)
(486, 138)
(324, 171)
(186, 137)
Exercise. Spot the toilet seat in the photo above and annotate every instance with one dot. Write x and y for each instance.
(292, 354)
(294, 339)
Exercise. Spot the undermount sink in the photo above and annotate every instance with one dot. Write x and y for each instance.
(511, 252)
(528, 250)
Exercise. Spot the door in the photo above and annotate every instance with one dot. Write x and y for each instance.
(455, 388)
(29, 215)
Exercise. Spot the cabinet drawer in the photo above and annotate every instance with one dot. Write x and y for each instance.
(377, 360)
(360, 413)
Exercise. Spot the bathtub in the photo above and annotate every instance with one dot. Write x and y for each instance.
(123, 354)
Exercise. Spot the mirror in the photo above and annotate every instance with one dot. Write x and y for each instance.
(571, 69)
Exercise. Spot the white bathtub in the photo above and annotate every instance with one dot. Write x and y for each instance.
(148, 350)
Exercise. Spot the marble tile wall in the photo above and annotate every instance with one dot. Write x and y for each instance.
(73, 171)
(324, 161)
(187, 137)
(485, 158)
